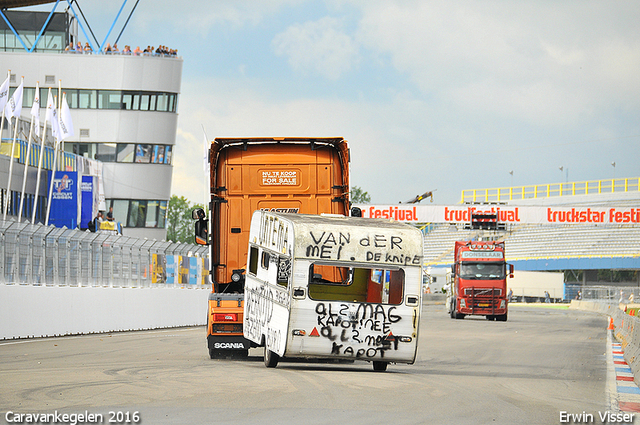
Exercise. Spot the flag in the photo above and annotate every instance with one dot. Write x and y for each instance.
(52, 115)
(65, 125)
(35, 110)
(14, 105)
(4, 92)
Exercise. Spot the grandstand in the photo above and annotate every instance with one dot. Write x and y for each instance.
(547, 247)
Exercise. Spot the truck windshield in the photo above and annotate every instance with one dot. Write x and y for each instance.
(482, 271)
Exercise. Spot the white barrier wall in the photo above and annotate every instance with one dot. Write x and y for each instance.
(36, 311)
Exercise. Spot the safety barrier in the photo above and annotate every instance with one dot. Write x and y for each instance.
(69, 282)
(625, 328)
(41, 255)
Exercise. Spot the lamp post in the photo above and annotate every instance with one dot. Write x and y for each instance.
(614, 169)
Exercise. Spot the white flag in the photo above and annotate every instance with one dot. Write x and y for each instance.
(35, 110)
(52, 115)
(64, 120)
(14, 105)
(4, 93)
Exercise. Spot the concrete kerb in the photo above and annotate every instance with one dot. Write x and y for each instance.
(626, 330)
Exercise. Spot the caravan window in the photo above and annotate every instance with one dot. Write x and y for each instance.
(253, 260)
(264, 262)
(360, 284)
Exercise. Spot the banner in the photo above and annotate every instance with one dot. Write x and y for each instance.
(505, 214)
(171, 261)
(89, 206)
(64, 199)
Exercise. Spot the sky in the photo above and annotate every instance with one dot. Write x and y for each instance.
(431, 95)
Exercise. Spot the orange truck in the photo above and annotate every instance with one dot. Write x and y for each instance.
(477, 284)
(278, 174)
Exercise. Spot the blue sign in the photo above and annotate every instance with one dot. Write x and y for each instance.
(64, 199)
(171, 269)
(193, 270)
(89, 209)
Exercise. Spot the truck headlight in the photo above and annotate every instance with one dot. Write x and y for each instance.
(503, 304)
(463, 303)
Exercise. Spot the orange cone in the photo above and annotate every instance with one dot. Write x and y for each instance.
(610, 323)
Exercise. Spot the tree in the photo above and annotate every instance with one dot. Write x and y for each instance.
(180, 227)
(358, 196)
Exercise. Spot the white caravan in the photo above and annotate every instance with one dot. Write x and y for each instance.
(333, 287)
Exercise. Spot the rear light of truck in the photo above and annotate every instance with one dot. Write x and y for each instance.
(226, 329)
(225, 317)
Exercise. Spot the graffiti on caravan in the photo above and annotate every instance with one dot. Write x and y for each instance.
(274, 233)
(363, 333)
(377, 247)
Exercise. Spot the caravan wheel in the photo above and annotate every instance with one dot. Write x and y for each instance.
(380, 366)
(270, 358)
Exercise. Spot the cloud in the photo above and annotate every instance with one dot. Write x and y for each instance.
(543, 63)
(320, 47)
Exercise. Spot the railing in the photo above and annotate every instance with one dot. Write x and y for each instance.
(592, 187)
(40, 255)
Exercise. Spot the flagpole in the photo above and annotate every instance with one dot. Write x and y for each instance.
(40, 158)
(54, 166)
(2, 122)
(6, 201)
(53, 176)
(26, 165)
(13, 146)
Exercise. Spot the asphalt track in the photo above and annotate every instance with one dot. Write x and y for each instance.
(541, 362)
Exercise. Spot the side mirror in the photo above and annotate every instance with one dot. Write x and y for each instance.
(201, 226)
(198, 214)
(511, 271)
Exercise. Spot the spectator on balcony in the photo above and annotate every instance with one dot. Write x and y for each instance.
(126, 50)
(87, 48)
(70, 48)
(79, 47)
(107, 49)
(115, 48)
(137, 51)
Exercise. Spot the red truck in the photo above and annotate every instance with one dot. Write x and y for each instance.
(478, 281)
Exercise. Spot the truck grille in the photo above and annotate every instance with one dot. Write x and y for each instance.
(482, 292)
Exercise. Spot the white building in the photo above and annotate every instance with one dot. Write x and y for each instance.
(124, 111)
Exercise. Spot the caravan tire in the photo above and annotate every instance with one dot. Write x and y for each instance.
(380, 366)
(270, 358)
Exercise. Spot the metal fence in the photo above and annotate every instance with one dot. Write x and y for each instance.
(613, 294)
(33, 254)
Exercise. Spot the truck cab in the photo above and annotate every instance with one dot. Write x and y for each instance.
(477, 284)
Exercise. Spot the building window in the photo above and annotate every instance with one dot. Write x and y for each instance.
(124, 152)
(143, 154)
(110, 99)
(139, 213)
(106, 152)
(106, 99)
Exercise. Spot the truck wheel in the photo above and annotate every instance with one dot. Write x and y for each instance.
(490, 317)
(459, 315)
(213, 354)
(380, 366)
(270, 358)
(502, 318)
